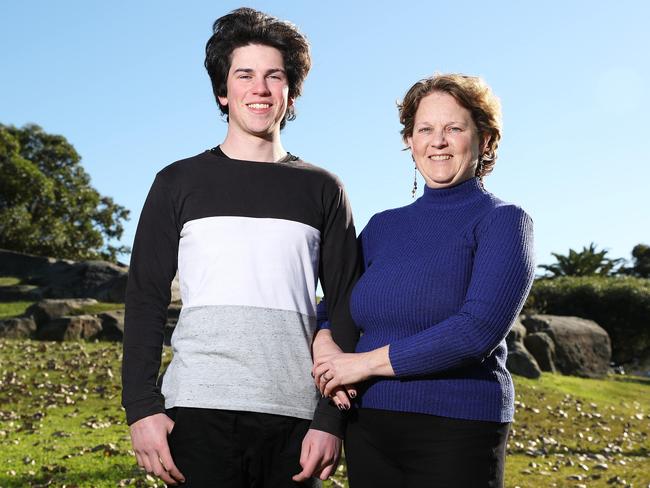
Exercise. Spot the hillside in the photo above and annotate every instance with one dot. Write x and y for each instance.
(62, 424)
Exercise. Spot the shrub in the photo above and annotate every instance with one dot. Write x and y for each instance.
(620, 305)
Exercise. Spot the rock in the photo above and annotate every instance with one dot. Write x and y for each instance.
(60, 278)
(521, 362)
(27, 293)
(49, 309)
(542, 347)
(112, 325)
(113, 291)
(173, 313)
(18, 328)
(70, 328)
(582, 347)
(87, 279)
(516, 334)
(23, 265)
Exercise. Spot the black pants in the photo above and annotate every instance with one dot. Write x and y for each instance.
(229, 449)
(397, 449)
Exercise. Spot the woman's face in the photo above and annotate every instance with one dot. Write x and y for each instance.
(445, 141)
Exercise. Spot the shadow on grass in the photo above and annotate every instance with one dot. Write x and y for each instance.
(634, 379)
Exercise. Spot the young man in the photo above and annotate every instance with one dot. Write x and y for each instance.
(250, 229)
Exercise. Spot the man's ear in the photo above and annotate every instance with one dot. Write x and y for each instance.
(223, 100)
(291, 101)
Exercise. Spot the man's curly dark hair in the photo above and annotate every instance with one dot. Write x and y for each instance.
(245, 26)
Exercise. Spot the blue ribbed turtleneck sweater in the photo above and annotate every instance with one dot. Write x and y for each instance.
(444, 279)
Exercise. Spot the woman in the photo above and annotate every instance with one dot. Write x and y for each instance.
(444, 279)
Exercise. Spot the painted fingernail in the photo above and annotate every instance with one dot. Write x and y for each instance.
(353, 394)
(341, 407)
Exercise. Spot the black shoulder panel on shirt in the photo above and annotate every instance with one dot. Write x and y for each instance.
(207, 185)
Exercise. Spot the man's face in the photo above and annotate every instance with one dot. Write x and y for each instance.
(257, 91)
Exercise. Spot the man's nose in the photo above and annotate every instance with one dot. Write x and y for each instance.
(261, 86)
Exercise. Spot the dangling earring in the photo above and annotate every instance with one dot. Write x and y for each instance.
(415, 182)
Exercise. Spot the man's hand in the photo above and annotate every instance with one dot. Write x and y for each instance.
(324, 346)
(149, 440)
(319, 456)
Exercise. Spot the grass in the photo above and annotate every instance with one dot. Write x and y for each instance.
(61, 424)
(9, 281)
(13, 309)
(97, 308)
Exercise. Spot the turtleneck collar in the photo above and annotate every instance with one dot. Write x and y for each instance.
(461, 194)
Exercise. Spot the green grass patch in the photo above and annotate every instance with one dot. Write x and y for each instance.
(13, 309)
(97, 308)
(9, 281)
(61, 424)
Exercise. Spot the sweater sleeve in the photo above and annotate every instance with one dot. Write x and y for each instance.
(338, 272)
(502, 275)
(148, 293)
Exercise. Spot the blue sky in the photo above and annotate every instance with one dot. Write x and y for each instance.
(125, 83)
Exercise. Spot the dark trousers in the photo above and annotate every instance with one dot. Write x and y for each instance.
(398, 449)
(231, 449)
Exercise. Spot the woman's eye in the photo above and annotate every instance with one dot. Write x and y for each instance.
(455, 129)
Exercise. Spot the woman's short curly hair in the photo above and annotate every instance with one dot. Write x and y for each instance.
(245, 26)
(470, 92)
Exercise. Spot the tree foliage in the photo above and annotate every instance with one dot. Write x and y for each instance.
(588, 262)
(641, 261)
(47, 205)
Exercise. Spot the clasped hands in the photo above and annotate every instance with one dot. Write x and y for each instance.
(335, 372)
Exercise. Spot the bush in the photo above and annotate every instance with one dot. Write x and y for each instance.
(620, 305)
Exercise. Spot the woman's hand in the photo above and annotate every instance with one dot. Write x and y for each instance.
(322, 347)
(338, 369)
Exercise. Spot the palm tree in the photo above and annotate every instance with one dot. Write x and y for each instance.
(587, 262)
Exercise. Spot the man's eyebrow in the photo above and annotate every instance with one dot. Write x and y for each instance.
(268, 72)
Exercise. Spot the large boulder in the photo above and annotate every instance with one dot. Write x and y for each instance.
(16, 293)
(85, 279)
(18, 328)
(542, 347)
(520, 361)
(50, 309)
(70, 328)
(112, 325)
(62, 278)
(582, 347)
(516, 334)
(23, 265)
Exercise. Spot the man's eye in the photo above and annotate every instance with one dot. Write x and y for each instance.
(424, 130)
